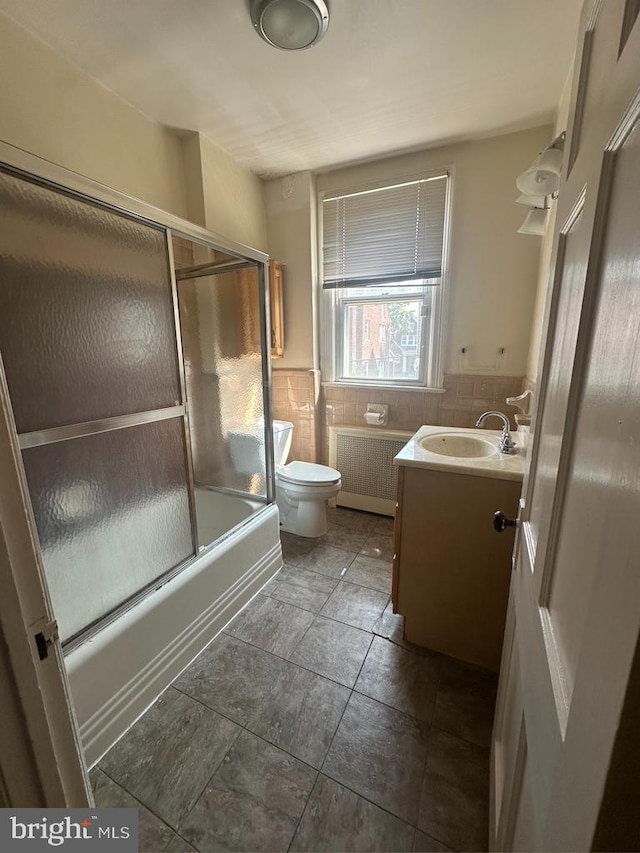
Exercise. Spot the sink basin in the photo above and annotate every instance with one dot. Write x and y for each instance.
(459, 445)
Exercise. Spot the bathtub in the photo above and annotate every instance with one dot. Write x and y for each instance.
(118, 673)
(218, 513)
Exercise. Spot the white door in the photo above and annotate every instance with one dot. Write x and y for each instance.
(40, 756)
(574, 611)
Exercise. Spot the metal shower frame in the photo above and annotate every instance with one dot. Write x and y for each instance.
(26, 166)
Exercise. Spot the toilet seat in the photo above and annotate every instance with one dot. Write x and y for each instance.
(307, 474)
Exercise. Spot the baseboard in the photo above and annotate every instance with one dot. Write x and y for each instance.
(366, 503)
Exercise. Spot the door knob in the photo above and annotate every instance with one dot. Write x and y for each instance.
(501, 522)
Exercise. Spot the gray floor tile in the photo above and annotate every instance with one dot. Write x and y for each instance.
(327, 560)
(380, 546)
(294, 547)
(423, 843)
(153, 834)
(454, 807)
(379, 753)
(391, 626)
(466, 700)
(232, 677)
(301, 714)
(384, 525)
(355, 605)
(345, 537)
(338, 819)
(167, 757)
(399, 678)
(253, 801)
(257, 790)
(370, 572)
(333, 649)
(271, 625)
(302, 588)
(363, 523)
(179, 845)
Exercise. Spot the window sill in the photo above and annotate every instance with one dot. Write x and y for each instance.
(381, 386)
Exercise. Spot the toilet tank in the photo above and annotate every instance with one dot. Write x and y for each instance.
(246, 447)
(282, 435)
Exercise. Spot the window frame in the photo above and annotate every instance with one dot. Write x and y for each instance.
(343, 300)
(330, 319)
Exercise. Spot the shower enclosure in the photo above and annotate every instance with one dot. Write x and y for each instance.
(219, 301)
(134, 354)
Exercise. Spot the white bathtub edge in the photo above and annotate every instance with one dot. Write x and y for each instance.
(135, 679)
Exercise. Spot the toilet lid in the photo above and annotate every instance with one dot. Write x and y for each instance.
(307, 472)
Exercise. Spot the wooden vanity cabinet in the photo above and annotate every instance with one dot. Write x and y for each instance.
(451, 570)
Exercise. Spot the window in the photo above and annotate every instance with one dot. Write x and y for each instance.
(382, 260)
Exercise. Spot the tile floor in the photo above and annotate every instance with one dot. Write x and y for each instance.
(309, 725)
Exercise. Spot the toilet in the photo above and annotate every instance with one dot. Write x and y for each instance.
(302, 488)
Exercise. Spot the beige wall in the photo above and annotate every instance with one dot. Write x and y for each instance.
(493, 269)
(534, 359)
(233, 198)
(51, 109)
(192, 168)
(290, 205)
(220, 195)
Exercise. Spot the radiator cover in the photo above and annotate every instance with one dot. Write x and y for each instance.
(364, 458)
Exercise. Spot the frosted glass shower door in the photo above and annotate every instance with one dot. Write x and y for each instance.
(88, 344)
(220, 322)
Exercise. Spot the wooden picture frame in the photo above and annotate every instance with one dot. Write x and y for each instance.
(276, 309)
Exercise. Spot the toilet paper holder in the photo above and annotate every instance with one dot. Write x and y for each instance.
(376, 414)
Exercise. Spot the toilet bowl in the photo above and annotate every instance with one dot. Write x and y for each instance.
(302, 488)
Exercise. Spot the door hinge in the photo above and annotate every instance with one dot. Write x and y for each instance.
(45, 638)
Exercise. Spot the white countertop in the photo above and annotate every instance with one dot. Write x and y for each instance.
(500, 466)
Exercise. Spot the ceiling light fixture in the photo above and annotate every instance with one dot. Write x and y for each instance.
(290, 24)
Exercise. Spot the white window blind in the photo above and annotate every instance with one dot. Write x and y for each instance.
(386, 235)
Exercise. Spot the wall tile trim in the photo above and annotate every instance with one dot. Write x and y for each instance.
(298, 396)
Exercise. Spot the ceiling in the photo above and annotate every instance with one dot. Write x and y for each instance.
(389, 75)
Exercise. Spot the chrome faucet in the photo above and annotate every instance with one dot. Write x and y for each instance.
(507, 444)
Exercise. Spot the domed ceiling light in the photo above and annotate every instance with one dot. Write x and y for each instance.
(290, 24)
